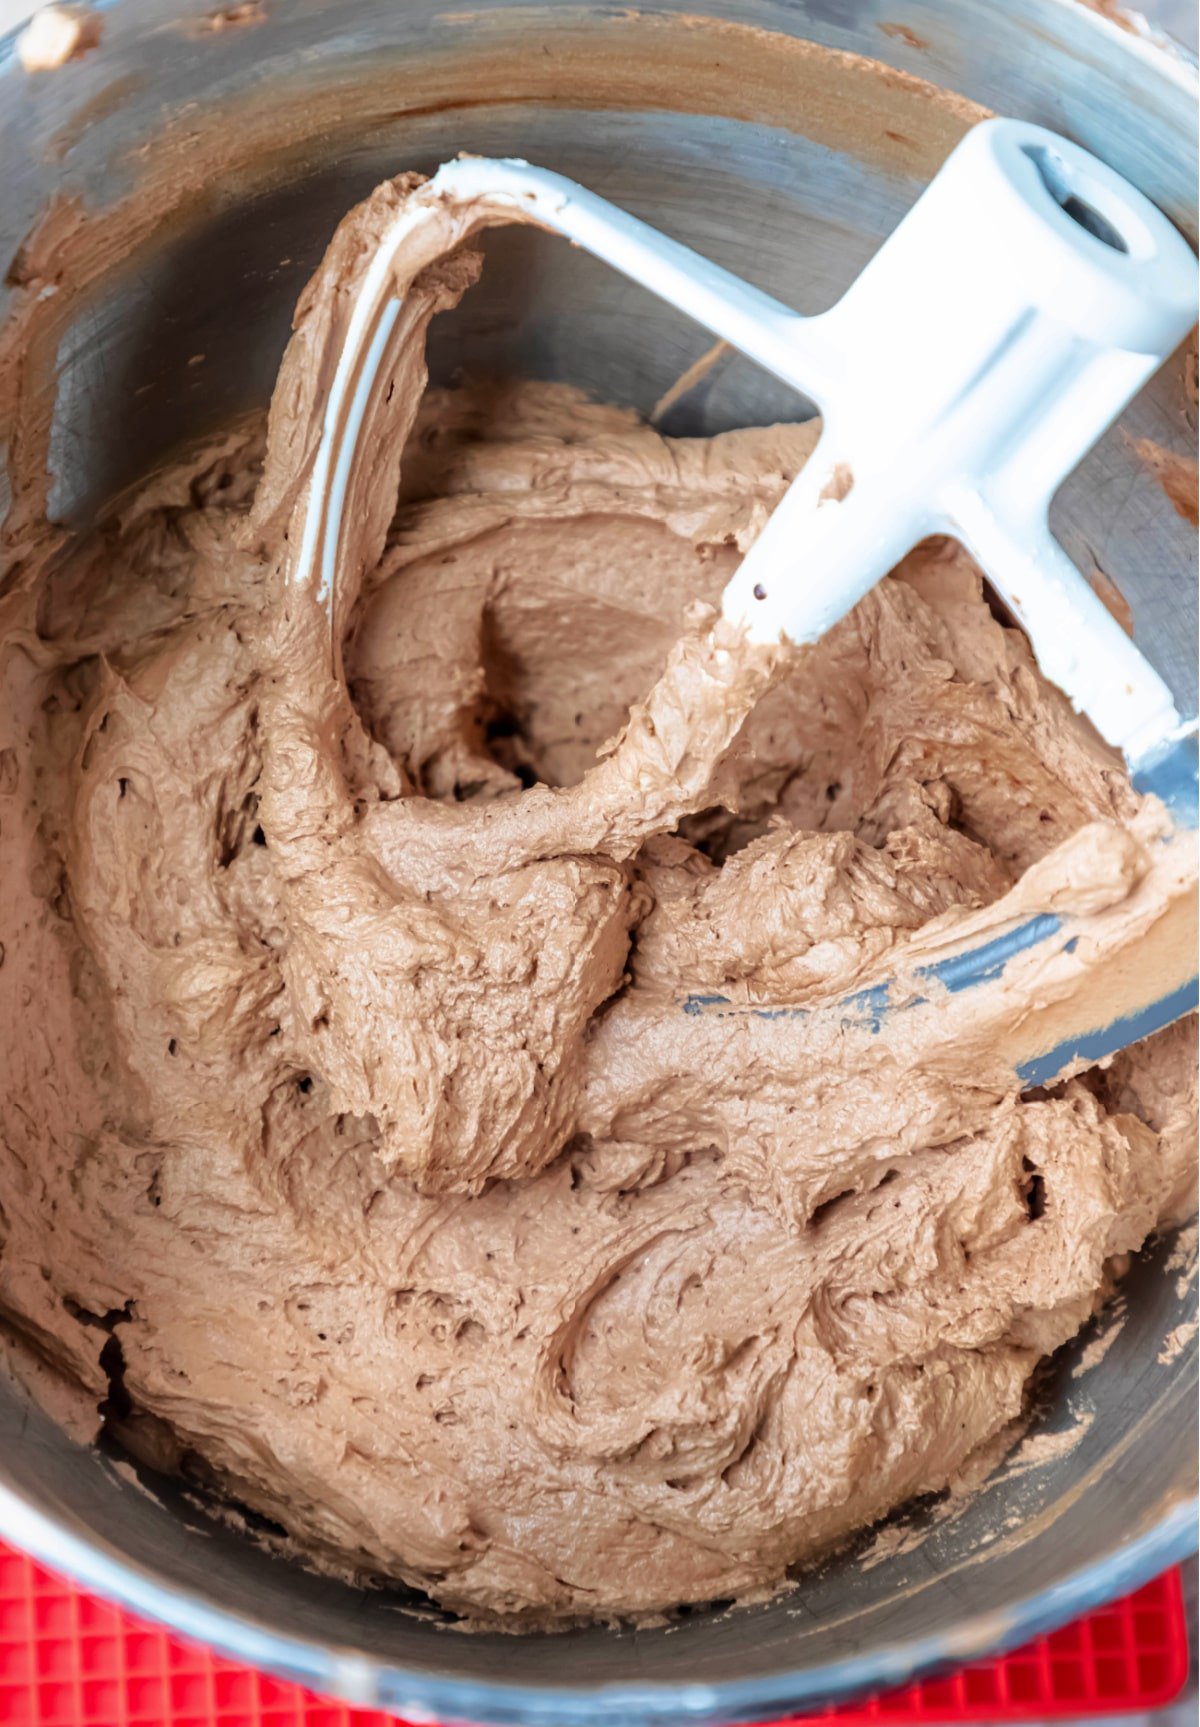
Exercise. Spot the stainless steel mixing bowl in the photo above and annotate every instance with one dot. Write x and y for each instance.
(787, 163)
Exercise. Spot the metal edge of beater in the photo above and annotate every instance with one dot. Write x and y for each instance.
(1171, 775)
(868, 1010)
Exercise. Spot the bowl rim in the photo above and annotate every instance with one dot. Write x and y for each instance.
(366, 1681)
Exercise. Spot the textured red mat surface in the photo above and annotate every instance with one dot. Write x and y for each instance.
(69, 1660)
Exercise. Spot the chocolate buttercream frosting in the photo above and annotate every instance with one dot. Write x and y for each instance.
(349, 1088)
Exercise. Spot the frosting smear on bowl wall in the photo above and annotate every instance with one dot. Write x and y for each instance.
(361, 1161)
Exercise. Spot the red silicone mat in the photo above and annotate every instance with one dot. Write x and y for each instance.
(69, 1660)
